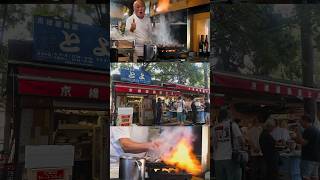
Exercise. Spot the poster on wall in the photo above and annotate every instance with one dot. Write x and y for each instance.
(125, 115)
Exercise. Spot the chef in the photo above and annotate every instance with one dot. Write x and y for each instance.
(128, 141)
(139, 26)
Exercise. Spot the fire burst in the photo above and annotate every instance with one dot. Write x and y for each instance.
(183, 158)
(163, 5)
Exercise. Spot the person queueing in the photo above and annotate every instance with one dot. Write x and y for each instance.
(269, 153)
(159, 111)
(194, 111)
(180, 108)
(310, 151)
(225, 167)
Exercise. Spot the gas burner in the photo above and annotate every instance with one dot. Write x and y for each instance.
(160, 171)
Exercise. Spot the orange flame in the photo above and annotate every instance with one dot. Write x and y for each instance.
(183, 158)
(163, 5)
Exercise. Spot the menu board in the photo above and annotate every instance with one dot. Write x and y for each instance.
(125, 115)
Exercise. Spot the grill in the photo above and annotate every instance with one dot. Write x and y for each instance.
(161, 171)
(171, 52)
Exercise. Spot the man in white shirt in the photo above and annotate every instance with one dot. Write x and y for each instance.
(139, 25)
(128, 141)
(281, 133)
(180, 111)
(225, 167)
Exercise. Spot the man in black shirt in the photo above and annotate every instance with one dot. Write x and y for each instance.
(194, 111)
(270, 154)
(310, 152)
(159, 111)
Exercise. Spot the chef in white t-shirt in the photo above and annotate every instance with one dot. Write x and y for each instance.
(128, 141)
(139, 25)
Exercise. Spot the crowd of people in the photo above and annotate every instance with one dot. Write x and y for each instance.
(181, 109)
(264, 142)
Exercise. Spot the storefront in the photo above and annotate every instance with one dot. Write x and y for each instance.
(57, 96)
(141, 98)
(255, 99)
(60, 107)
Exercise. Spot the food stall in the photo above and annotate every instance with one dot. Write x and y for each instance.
(142, 96)
(253, 97)
(57, 95)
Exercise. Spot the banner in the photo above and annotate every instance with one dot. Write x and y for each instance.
(60, 42)
(135, 75)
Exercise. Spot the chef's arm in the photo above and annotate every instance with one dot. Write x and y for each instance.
(130, 146)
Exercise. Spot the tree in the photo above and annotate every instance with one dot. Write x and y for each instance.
(179, 73)
(252, 34)
(308, 26)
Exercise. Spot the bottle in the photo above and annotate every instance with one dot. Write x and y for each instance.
(201, 46)
(204, 48)
(206, 43)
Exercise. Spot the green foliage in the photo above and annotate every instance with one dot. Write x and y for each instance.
(179, 73)
(254, 32)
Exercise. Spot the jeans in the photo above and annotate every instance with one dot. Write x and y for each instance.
(227, 170)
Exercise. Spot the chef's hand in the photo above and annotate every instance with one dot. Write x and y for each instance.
(133, 26)
(155, 145)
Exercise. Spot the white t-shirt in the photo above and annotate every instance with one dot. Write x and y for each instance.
(280, 134)
(135, 133)
(222, 140)
(253, 136)
(181, 105)
(142, 33)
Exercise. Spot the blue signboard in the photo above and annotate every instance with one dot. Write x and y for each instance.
(59, 42)
(135, 75)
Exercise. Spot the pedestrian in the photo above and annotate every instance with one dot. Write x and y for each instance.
(180, 110)
(310, 151)
(171, 109)
(269, 153)
(194, 111)
(207, 111)
(159, 111)
(225, 167)
(255, 152)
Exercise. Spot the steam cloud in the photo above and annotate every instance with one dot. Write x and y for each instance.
(162, 33)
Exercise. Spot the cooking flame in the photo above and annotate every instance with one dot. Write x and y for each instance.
(183, 158)
(163, 5)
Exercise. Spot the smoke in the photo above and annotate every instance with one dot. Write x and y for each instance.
(162, 33)
(169, 138)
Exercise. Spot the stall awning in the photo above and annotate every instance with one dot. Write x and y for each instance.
(66, 84)
(122, 87)
(235, 82)
(188, 89)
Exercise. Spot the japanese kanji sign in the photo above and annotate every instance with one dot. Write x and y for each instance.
(135, 75)
(60, 42)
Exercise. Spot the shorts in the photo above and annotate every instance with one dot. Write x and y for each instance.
(309, 168)
(180, 116)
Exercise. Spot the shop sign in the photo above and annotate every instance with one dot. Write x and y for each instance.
(135, 75)
(57, 89)
(60, 42)
(50, 174)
